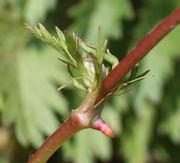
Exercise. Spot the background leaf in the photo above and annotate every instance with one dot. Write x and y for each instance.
(34, 11)
(107, 13)
(146, 119)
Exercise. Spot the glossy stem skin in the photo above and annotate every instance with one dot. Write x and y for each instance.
(53, 142)
(79, 119)
(73, 125)
(136, 54)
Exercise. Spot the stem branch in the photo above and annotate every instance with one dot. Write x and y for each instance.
(79, 119)
(72, 126)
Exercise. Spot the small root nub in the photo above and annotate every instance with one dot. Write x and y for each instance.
(99, 124)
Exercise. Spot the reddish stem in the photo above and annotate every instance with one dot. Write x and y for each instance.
(71, 126)
(136, 54)
(53, 142)
(79, 119)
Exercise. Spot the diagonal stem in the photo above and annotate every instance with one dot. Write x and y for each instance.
(72, 126)
(53, 142)
(136, 54)
(78, 120)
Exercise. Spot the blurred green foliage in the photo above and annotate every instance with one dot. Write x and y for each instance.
(147, 119)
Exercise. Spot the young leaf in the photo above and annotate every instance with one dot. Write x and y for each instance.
(58, 43)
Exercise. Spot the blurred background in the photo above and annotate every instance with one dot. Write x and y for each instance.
(146, 119)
